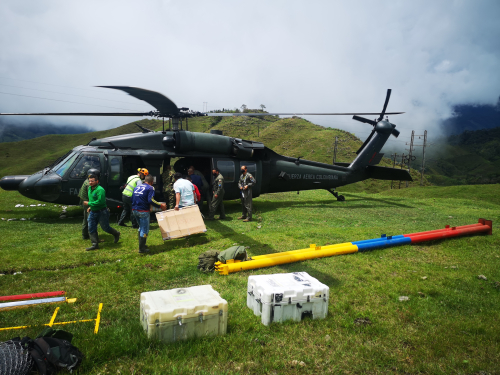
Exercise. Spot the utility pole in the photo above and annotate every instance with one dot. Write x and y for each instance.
(410, 152)
(335, 150)
(423, 159)
(205, 106)
(402, 164)
(394, 164)
(423, 155)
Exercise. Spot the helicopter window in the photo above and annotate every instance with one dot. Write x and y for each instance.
(226, 168)
(251, 168)
(115, 169)
(63, 166)
(86, 162)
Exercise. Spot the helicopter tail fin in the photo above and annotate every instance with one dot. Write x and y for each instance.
(369, 154)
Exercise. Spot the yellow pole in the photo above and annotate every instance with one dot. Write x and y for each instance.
(53, 317)
(225, 269)
(310, 248)
(98, 319)
(52, 323)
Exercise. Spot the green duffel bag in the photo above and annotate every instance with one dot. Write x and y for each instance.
(234, 252)
(206, 261)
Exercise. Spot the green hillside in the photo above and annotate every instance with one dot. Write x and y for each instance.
(472, 157)
(293, 137)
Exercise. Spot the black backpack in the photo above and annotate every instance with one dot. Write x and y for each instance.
(52, 351)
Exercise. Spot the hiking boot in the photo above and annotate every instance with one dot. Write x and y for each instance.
(142, 245)
(247, 220)
(116, 235)
(242, 217)
(94, 239)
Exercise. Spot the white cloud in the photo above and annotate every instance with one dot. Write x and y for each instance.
(292, 56)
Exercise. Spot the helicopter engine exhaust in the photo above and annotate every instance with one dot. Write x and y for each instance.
(184, 142)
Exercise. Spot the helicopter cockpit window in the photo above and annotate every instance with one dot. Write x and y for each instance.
(63, 166)
(226, 168)
(86, 162)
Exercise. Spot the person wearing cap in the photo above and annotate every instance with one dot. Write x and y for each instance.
(84, 196)
(218, 196)
(132, 182)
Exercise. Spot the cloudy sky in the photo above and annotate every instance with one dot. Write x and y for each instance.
(291, 56)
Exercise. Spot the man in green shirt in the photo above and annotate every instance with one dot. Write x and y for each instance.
(84, 196)
(98, 212)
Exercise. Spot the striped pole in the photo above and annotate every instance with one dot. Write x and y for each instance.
(268, 260)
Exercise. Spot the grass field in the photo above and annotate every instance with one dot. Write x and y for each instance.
(450, 324)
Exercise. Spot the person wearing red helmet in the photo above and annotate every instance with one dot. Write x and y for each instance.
(132, 182)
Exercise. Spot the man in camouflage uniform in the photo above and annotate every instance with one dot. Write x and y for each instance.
(168, 187)
(245, 184)
(218, 197)
(84, 196)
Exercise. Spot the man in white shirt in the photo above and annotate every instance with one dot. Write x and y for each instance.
(184, 192)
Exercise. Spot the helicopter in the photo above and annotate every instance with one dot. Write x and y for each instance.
(118, 157)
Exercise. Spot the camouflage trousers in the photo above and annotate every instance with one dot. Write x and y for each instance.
(169, 197)
(217, 203)
(246, 202)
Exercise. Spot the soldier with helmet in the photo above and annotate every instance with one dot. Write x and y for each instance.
(132, 182)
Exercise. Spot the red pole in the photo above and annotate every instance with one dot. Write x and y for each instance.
(32, 295)
(443, 230)
(452, 232)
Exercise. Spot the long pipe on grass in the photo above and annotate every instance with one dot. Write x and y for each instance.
(268, 260)
(32, 295)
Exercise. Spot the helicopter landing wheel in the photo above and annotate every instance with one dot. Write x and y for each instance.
(340, 198)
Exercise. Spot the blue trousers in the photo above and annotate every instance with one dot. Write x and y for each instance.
(101, 217)
(143, 220)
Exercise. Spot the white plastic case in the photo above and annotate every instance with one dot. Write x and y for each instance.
(287, 296)
(180, 314)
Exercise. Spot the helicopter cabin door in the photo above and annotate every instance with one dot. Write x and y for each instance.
(230, 170)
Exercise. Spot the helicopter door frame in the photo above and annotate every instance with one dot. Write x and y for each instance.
(256, 172)
(114, 177)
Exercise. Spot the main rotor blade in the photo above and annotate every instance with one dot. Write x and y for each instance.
(163, 104)
(79, 114)
(387, 97)
(365, 120)
(295, 114)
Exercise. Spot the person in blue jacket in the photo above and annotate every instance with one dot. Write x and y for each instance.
(142, 199)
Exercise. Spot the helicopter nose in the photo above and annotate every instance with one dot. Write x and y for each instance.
(46, 188)
(12, 182)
